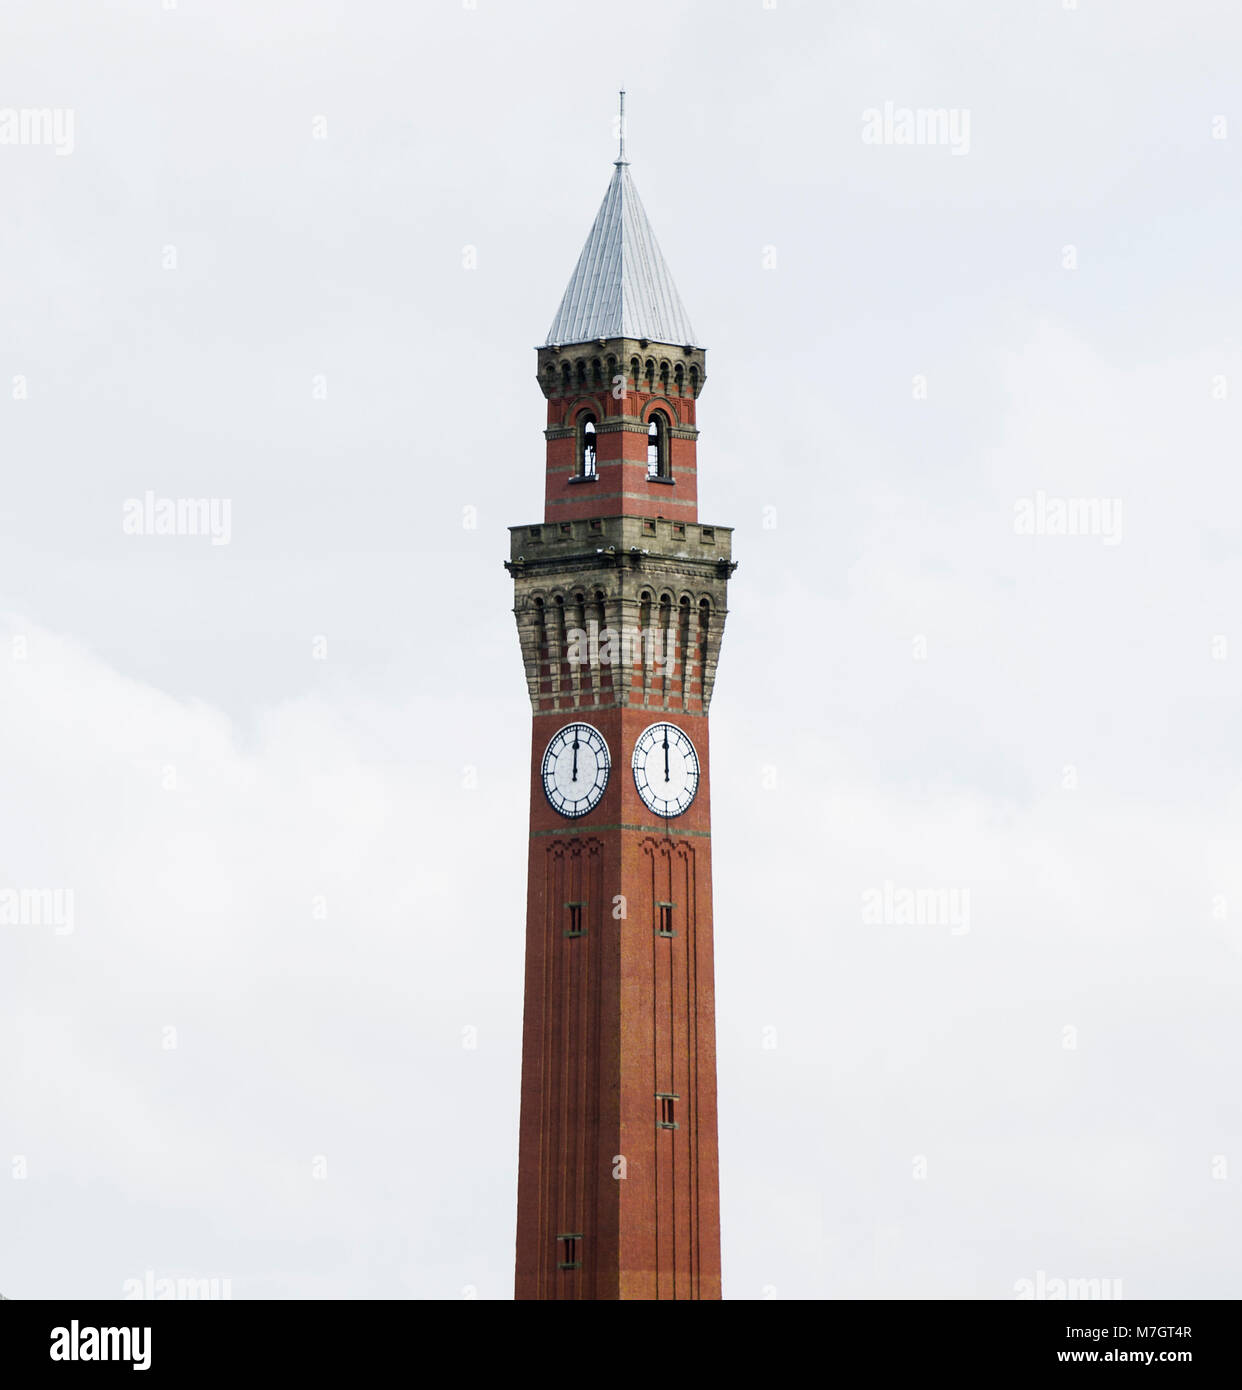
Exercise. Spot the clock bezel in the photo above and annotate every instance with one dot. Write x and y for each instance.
(601, 786)
(694, 754)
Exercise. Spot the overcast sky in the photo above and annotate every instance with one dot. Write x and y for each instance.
(295, 257)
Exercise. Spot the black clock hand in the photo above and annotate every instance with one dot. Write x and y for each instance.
(574, 778)
(666, 755)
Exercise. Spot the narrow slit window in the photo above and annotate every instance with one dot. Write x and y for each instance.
(664, 919)
(657, 447)
(667, 1111)
(571, 1257)
(574, 925)
(586, 458)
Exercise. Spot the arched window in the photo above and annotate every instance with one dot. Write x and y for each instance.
(586, 446)
(657, 447)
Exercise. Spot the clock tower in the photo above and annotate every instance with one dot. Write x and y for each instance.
(619, 595)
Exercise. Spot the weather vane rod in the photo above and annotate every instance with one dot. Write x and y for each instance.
(621, 159)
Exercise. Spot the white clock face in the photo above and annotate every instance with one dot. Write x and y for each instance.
(575, 769)
(666, 769)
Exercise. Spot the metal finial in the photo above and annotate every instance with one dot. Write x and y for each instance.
(621, 159)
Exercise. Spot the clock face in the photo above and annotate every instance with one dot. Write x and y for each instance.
(666, 769)
(575, 769)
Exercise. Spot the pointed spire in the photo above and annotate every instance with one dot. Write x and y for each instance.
(621, 286)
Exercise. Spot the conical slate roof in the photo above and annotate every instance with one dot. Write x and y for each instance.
(621, 287)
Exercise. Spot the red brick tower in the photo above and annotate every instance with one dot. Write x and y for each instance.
(620, 606)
